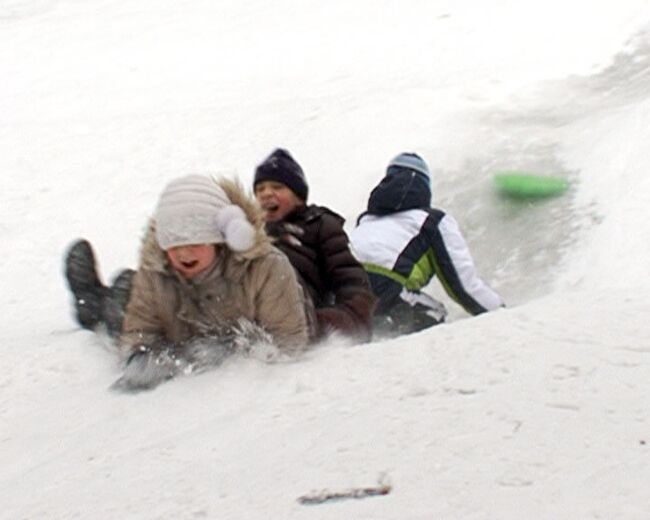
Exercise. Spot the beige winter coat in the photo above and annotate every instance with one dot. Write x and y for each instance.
(258, 285)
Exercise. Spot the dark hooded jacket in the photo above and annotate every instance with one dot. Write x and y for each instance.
(399, 190)
(403, 243)
(313, 239)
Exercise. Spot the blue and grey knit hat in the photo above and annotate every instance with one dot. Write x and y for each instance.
(412, 161)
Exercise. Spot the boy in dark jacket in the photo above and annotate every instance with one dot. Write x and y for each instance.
(403, 243)
(313, 239)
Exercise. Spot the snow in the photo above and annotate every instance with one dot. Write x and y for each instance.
(540, 410)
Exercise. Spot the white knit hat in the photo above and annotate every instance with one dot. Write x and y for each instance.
(195, 210)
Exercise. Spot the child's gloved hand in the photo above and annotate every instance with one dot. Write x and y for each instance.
(137, 354)
(331, 319)
(146, 368)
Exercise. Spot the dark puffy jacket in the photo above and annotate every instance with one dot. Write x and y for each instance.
(313, 239)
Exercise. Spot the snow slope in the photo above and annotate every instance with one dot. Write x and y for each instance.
(537, 411)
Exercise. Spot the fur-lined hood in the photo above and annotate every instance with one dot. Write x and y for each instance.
(153, 258)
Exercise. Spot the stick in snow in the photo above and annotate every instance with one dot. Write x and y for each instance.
(320, 497)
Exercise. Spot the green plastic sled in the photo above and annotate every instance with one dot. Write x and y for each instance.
(528, 185)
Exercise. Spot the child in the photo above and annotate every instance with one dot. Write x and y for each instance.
(313, 239)
(206, 267)
(403, 242)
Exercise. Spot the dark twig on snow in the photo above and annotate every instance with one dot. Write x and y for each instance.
(325, 495)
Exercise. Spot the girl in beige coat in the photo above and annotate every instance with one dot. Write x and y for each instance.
(207, 269)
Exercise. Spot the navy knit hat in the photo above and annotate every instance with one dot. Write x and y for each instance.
(281, 167)
(412, 161)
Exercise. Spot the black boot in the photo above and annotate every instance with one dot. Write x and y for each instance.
(84, 282)
(115, 302)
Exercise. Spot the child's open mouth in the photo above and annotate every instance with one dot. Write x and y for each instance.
(189, 264)
(271, 212)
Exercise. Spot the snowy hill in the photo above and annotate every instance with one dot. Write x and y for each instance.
(538, 411)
